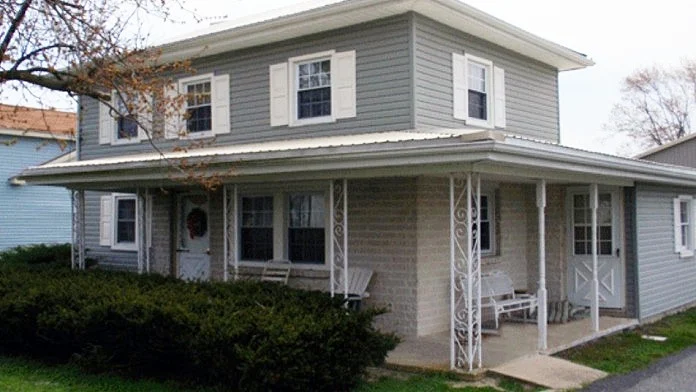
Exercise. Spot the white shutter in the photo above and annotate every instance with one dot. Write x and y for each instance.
(280, 106)
(677, 225)
(499, 96)
(106, 124)
(173, 122)
(460, 99)
(106, 220)
(343, 73)
(146, 118)
(221, 104)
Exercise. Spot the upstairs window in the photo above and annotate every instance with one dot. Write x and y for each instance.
(199, 108)
(478, 91)
(479, 79)
(314, 89)
(684, 226)
(126, 123)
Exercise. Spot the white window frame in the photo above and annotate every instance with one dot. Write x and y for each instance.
(240, 220)
(183, 82)
(281, 210)
(684, 250)
(294, 63)
(488, 67)
(127, 246)
(115, 140)
(490, 197)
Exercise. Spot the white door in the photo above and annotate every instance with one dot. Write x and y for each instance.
(193, 248)
(610, 271)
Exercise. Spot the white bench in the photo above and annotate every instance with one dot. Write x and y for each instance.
(498, 293)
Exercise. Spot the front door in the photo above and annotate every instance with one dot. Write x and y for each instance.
(610, 271)
(193, 247)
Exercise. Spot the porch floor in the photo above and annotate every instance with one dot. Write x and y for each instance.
(432, 352)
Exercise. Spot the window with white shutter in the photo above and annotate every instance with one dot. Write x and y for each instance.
(684, 225)
(118, 226)
(312, 89)
(206, 108)
(478, 91)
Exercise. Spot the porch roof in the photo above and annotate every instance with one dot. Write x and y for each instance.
(408, 152)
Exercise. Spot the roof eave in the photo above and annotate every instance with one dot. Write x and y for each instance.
(450, 12)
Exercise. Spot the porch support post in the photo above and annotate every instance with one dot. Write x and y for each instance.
(78, 230)
(594, 204)
(542, 294)
(141, 229)
(148, 230)
(465, 272)
(338, 247)
(229, 206)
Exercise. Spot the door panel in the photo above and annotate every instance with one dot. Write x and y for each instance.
(610, 269)
(193, 247)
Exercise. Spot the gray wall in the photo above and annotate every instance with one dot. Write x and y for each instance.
(383, 87)
(683, 154)
(531, 88)
(665, 281)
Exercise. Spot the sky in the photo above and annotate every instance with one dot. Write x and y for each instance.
(619, 35)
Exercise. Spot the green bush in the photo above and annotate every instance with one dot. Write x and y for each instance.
(37, 254)
(246, 335)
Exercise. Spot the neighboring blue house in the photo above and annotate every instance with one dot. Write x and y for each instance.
(33, 214)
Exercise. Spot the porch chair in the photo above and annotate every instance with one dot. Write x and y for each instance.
(358, 280)
(277, 271)
(498, 293)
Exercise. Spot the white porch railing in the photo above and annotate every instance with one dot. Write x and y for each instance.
(230, 205)
(338, 248)
(78, 229)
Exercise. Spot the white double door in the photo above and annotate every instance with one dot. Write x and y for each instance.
(610, 266)
(193, 246)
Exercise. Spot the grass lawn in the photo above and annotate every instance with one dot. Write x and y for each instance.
(627, 351)
(20, 375)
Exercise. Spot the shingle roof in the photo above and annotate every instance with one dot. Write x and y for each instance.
(52, 123)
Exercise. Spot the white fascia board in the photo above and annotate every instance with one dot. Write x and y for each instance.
(413, 155)
(665, 146)
(346, 13)
(35, 134)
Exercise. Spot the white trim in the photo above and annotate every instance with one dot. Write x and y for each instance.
(684, 250)
(297, 21)
(115, 245)
(182, 83)
(36, 134)
(293, 63)
(488, 67)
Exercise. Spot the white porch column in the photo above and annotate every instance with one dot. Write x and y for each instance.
(542, 294)
(148, 230)
(465, 272)
(229, 206)
(78, 230)
(594, 204)
(141, 231)
(338, 246)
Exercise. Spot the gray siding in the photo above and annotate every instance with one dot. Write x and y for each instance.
(630, 252)
(683, 154)
(665, 281)
(105, 256)
(383, 87)
(531, 88)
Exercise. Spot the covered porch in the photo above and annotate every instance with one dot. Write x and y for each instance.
(408, 205)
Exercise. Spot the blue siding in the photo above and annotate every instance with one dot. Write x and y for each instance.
(30, 214)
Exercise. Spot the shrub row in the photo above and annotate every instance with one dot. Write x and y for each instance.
(37, 254)
(246, 335)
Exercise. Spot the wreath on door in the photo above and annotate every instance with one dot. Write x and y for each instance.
(197, 223)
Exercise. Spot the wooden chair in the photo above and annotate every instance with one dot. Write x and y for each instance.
(277, 271)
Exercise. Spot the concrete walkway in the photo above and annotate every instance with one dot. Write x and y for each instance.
(549, 372)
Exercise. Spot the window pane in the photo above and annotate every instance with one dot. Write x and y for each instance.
(605, 233)
(257, 244)
(127, 127)
(580, 248)
(199, 119)
(485, 236)
(579, 215)
(314, 89)
(685, 236)
(484, 208)
(125, 221)
(478, 105)
(684, 211)
(581, 201)
(477, 77)
(306, 228)
(605, 248)
(580, 233)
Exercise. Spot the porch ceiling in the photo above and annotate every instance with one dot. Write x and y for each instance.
(399, 153)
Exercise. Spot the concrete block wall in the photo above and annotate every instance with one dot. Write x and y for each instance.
(556, 243)
(382, 236)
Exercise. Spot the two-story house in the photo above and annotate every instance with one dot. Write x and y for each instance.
(418, 139)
